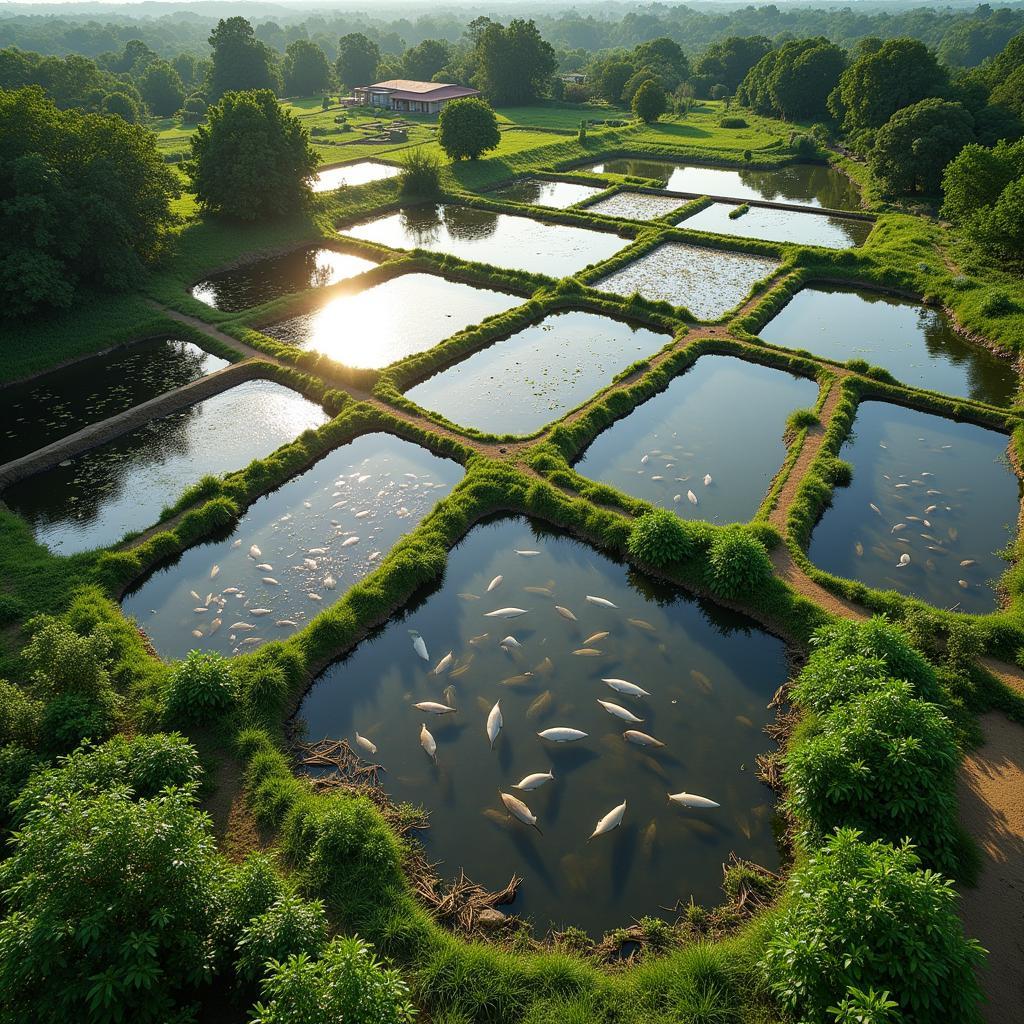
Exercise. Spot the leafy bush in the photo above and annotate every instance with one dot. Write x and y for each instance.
(733, 122)
(800, 419)
(201, 688)
(20, 715)
(998, 304)
(71, 718)
(737, 211)
(467, 129)
(659, 538)
(421, 175)
(829, 679)
(290, 926)
(738, 563)
(864, 916)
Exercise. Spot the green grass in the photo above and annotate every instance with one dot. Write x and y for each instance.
(553, 115)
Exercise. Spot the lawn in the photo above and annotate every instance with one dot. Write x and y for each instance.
(554, 116)
(700, 129)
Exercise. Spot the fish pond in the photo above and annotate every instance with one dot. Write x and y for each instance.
(295, 550)
(536, 375)
(707, 282)
(96, 498)
(931, 503)
(44, 409)
(636, 206)
(721, 422)
(262, 280)
(391, 320)
(538, 192)
(500, 239)
(360, 173)
(708, 673)
(781, 226)
(913, 342)
(800, 184)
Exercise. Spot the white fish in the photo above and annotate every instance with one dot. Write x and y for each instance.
(349, 541)
(260, 611)
(534, 781)
(431, 707)
(494, 723)
(707, 479)
(874, 507)
(494, 584)
(691, 497)
(565, 613)
(505, 613)
(619, 711)
(419, 646)
(229, 590)
(270, 581)
(254, 552)
(330, 582)
(562, 734)
(641, 739)
(284, 623)
(368, 745)
(215, 625)
(904, 560)
(195, 596)
(519, 810)
(968, 561)
(317, 551)
(265, 567)
(644, 460)
(444, 663)
(238, 626)
(898, 527)
(691, 800)
(313, 596)
(509, 643)
(214, 571)
(594, 638)
(309, 563)
(602, 602)
(612, 820)
(428, 743)
(363, 514)
(622, 686)
(527, 554)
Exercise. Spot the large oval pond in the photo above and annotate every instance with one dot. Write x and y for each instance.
(392, 320)
(781, 226)
(534, 376)
(946, 500)
(265, 279)
(93, 500)
(362, 172)
(916, 344)
(538, 192)
(724, 419)
(709, 674)
(801, 184)
(501, 239)
(294, 551)
(44, 409)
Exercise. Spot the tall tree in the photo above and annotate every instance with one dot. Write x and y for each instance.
(426, 59)
(613, 79)
(795, 80)
(727, 62)
(240, 60)
(650, 102)
(305, 69)
(357, 61)
(514, 62)
(467, 129)
(161, 88)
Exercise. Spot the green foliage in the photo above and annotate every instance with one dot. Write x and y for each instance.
(801, 419)
(865, 916)
(513, 62)
(305, 69)
(467, 129)
(738, 563)
(659, 538)
(20, 716)
(161, 88)
(424, 60)
(794, 81)
(649, 102)
(357, 61)
(738, 211)
(421, 175)
(240, 60)
(252, 159)
(201, 688)
(120, 104)
(290, 926)
(733, 122)
(613, 79)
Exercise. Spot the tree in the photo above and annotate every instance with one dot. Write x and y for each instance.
(86, 201)
(240, 60)
(193, 109)
(305, 69)
(649, 103)
(121, 105)
(613, 79)
(252, 159)
(795, 80)
(467, 128)
(357, 61)
(1010, 91)
(513, 63)
(728, 61)
(161, 88)
(665, 59)
(426, 59)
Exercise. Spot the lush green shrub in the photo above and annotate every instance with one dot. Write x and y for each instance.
(290, 926)
(737, 211)
(20, 715)
(998, 304)
(659, 538)
(467, 129)
(421, 175)
(865, 916)
(830, 679)
(649, 101)
(11, 609)
(738, 564)
(201, 688)
(733, 122)
(63, 661)
(71, 718)
(16, 765)
(800, 419)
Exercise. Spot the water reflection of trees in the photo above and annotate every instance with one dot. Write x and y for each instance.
(470, 224)
(262, 280)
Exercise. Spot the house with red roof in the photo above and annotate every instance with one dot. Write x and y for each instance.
(410, 97)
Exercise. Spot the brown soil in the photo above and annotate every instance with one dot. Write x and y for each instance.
(233, 824)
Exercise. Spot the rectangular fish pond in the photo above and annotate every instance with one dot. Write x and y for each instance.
(391, 320)
(362, 172)
(520, 383)
(709, 445)
(918, 345)
(294, 551)
(501, 239)
(931, 503)
(96, 498)
(800, 184)
(708, 674)
(46, 408)
(781, 226)
(538, 192)
(707, 282)
(273, 276)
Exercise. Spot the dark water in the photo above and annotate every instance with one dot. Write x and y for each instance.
(538, 192)
(803, 184)
(535, 376)
(47, 408)
(360, 173)
(501, 239)
(710, 674)
(636, 206)
(956, 480)
(262, 280)
(781, 226)
(724, 418)
(392, 320)
(376, 489)
(916, 344)
(93, 500)
(707, 282)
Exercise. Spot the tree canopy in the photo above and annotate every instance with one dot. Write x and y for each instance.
(305, 69)
(425, 60)
(795, 80)
(161, 88)
(649, 101)
(240, 60)
(357, 61)
(467, 128)
(514, 63)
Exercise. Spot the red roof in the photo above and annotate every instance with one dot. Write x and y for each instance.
(406, 89)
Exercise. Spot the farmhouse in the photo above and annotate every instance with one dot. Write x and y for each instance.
(411, 97)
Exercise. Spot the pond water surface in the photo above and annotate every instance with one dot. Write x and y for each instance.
(945, 495)
(360, 173)
(501, 239)
(536, 375)
(707, 282)
(916, 344)
(43, 410)
(781, 226)
(93, 500)
(314, 537)
(262, 280)
(538, 192)
(723, 418)
(800, 184)
(709, 674)
(636, 206)
(391, 320)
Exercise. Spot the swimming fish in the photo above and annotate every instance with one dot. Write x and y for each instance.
(254, 552)
(494, 723)
(561, 734)
(540, 704)
(444, 663)
(519, 810)
(619, 711)
(517, 680)
(505, 613)
(612, 820)
(428, 743)
(195, 596)
(286, 622)
(641, 624)
(691, 497)
(368, 745)
(509, 643)
(588, 652)
(707, 479)
(565, 613)
(419, 645)
(602, 602)
(527, 554)
(270, 581)
(431, 707)
(349, 541)
(260, 611)
(238, 626)
(330, 582)
(898, 527)
(214, 571)
(968, 561)
(904, 560)
(594, 637)
(449, 696)
(641, 739)
(494, 584)
(265, 567)
(468, 597)
(622, 686)
(534, 781)
(691, 800)
(874, 507)
(546, 591)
